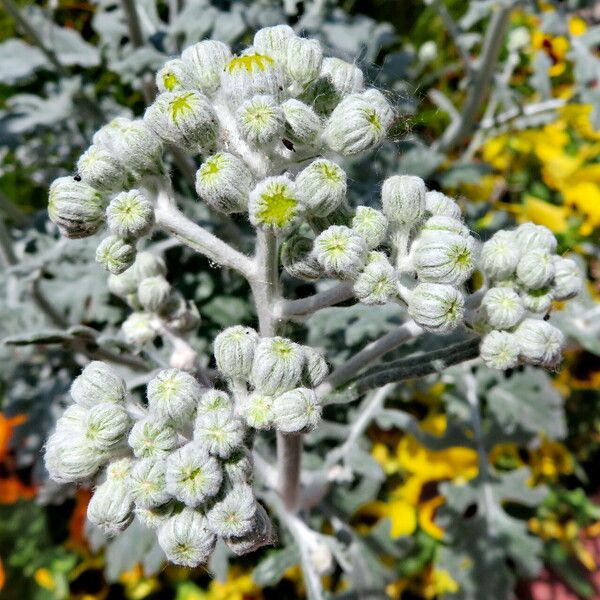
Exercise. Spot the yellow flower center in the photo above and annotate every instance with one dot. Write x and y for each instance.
(180, 105)
(249, 63)
(278, 206)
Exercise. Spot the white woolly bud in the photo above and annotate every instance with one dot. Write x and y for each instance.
(147, 484)
(345, 77)
(175, 76)
(153, 292)
(341, 252)
(234, 351)
(403, 199)
(277, 366)
(371, 225)
(214, 401)
(138, 328)
(73, 420)
(124, 284)
(118, 470)
(503, 307)
(192, 476)
(541, 343)
(100, 169)
(130, 214)
(173, 395)
(185, 539)
(304, 58)
(377, 284)
(377, 256)
(152, 438)
(274, 41)
(298, 260)
(535, 237)
(110, 507)
(219, 433)
(234, 515)
(274, 205)
(154, 518)
(97, 383)
(180, 314)
(257, 410)
(138, 149)
(297, 410)
(315, 367)
(70, 457)
(250, 74)
(107, 136)
(500, 350)
(438, 204)
(537, 301)
(436, 307)
(568, 281)
(260, 534)
(75, 207)
(207, 60)
(148, 265)
(106, 426)
(535, 269)
(434, 226)
(359, 123)
(449, 258)
(321, 186)
(302, 123)
(500, 255)
(115, 254)
(238, 467)
(260, 120)
(224, 181)
(183, 118)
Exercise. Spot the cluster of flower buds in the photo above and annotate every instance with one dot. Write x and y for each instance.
(524, 276)
(180, 465)
(273, 379)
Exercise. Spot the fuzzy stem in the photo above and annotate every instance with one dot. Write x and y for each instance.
(304, 307)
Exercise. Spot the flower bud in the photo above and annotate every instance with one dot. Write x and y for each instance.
(175, 76)
(448, 259)
(130, 215)
(277, 365)
(101, 170)
(173, 395)
(297, 411)
(106, 426)
(154, 518)
(359, 123)
(403, 199)
(274, 205)
(341, 252)
(500, 255)
(535, 269)
(152, 438)
(440, 205)
(304, 58)
(138, 149)
(183, 118)
(274, 41)
(434, 226)
(138, 328)
(298, 260)
(192, 476)
(214, 401)
(224, 181)
(75, 207)
(503, 307)
(315, 367)
(147, 484)
(260, 534)
(70, 457)
(541, 343)
(153, 292)
(234, 351)
(185, 539)
(436, 307)
(345, 77)
(118, 470)
(97, 383)
(535, 237)
(302, 124)
(257, 410)
(260, 120)
(537, 301)
(568, 281)
(500, 350)
(377, 284)
(321, 187)
(115, 254)
(238, 467)
(124, 284)
(234, 515)
(148, 265)
(207, 60)
(110, 507)
(371, 225)
(73, 420)
(180, 314)
(219, 433)
(108, 135)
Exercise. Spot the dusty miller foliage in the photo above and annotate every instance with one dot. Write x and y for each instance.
(402, 289)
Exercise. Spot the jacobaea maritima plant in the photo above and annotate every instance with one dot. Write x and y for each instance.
(274, 127)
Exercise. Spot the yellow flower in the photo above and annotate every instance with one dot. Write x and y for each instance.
(137, 585)
(238, 586)
(555, 47)
(402, 515)
(543, 213)
(549, 461)
(584, 197)
(577, 26)
(427, 511)
(45, 579)
(505, 456)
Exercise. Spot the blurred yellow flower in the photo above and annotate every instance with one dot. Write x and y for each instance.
(45, 579)
(137, 585)
(555, 47)
(577, 26)
(550, 460)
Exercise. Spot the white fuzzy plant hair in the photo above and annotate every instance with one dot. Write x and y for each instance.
(272, 126)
